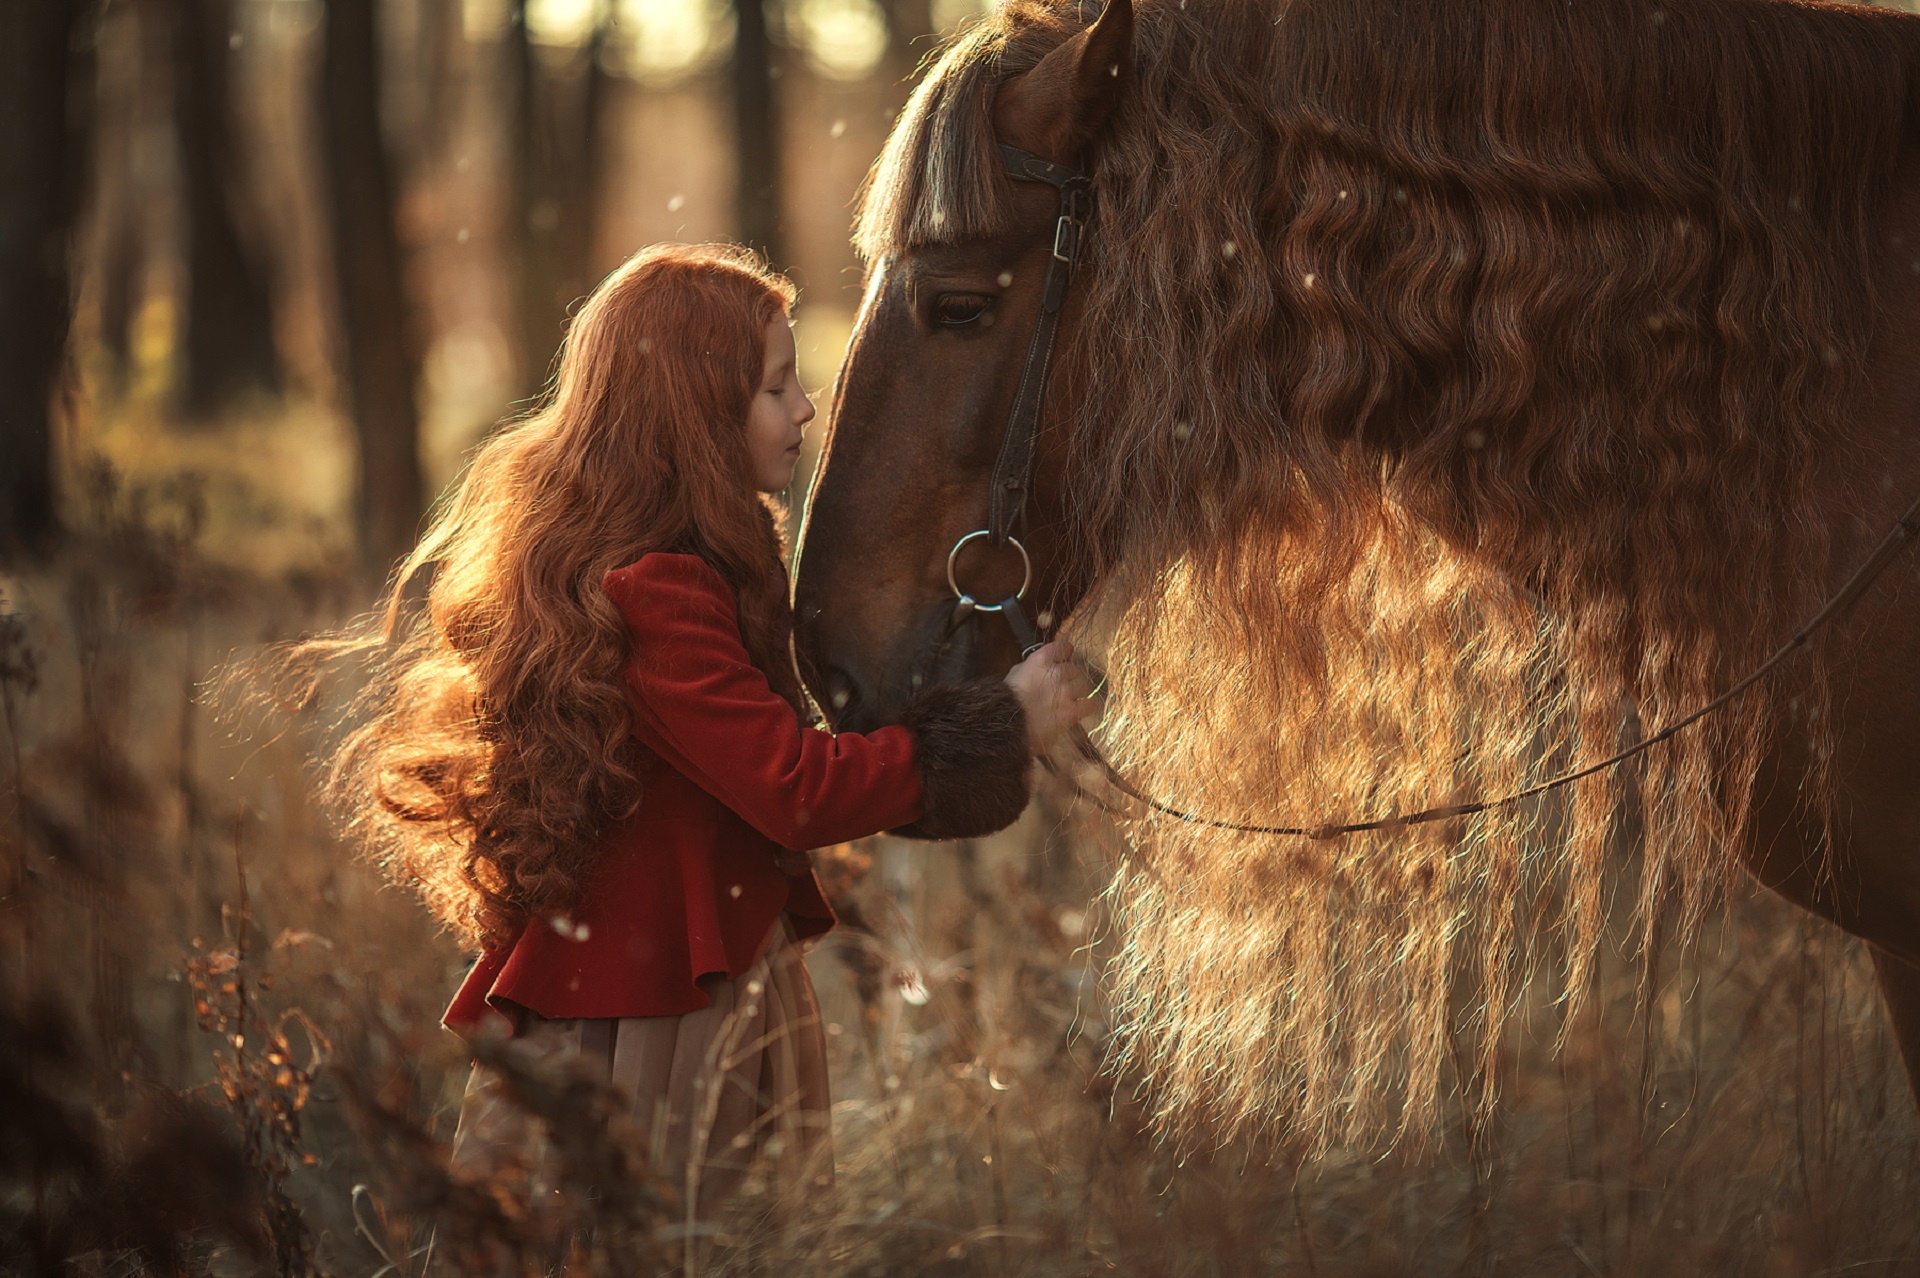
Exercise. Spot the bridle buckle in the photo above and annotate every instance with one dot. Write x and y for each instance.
(1066, 239)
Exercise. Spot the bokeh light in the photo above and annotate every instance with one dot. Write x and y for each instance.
(843, 39)
(660, 41)
(562, 22)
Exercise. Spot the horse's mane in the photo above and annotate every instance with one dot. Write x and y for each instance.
(1464, 379)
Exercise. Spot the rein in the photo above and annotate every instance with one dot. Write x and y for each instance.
(1012, 477)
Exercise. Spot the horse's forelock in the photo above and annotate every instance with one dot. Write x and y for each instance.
(940, 179)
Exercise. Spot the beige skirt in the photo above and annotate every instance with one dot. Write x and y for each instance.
(715, 1093)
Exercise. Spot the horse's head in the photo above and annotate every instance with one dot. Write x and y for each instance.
(923, 398)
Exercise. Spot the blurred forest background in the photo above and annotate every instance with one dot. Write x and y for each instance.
(311, 249)
(267, 269)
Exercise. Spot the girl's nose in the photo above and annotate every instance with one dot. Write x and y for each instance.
(806, 410)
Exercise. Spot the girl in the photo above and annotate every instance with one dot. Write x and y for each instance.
(589, 753)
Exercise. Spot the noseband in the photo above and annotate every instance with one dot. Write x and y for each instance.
(1013, 477)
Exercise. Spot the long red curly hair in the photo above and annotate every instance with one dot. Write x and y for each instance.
(492, 752)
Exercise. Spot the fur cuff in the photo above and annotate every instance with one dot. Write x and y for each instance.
(970, 742)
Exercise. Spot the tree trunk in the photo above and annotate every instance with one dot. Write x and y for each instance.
(46, 91)
(378, 340)
(756, 133)
(228, 338)
(556, 181)
(121, 197)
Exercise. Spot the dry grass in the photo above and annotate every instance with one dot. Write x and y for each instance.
(1752, 1121)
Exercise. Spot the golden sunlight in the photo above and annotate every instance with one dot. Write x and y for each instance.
(561, 22)
(663, 40)
(843, 39)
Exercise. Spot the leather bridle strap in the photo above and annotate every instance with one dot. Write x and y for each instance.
(1013, 469)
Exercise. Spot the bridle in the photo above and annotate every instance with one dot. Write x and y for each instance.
(1013, 469)
(1013, 477)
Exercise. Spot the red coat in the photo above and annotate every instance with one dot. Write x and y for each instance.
(691, 883)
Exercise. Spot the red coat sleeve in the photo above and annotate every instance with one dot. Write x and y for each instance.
(701, 704)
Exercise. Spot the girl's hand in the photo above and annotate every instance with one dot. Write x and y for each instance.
(1052, 691)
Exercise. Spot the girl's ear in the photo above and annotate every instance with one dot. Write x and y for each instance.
(1055, 109)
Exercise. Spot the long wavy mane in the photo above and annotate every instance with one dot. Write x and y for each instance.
(1465, 377)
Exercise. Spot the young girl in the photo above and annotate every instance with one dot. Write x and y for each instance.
(589, 754)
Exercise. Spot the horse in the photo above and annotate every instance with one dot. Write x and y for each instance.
(1442, 397)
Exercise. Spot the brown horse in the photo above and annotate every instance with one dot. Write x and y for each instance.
(1446, 395)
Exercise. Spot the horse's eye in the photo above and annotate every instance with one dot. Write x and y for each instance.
(957, 310)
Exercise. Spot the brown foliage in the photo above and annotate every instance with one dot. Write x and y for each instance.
(1768, 1133)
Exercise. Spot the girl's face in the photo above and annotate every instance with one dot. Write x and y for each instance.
(780, 412)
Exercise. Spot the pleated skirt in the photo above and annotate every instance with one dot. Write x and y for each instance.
(714, 1094)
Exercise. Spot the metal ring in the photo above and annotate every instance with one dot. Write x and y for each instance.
(1026, 570)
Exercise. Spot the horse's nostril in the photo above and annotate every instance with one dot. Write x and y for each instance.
(841, 692)
(849, 705)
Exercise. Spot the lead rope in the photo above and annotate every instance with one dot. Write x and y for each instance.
(1904, 531)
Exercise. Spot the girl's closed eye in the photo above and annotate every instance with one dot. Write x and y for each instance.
(780, 413)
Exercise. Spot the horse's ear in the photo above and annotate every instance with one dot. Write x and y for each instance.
(1055, 109)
